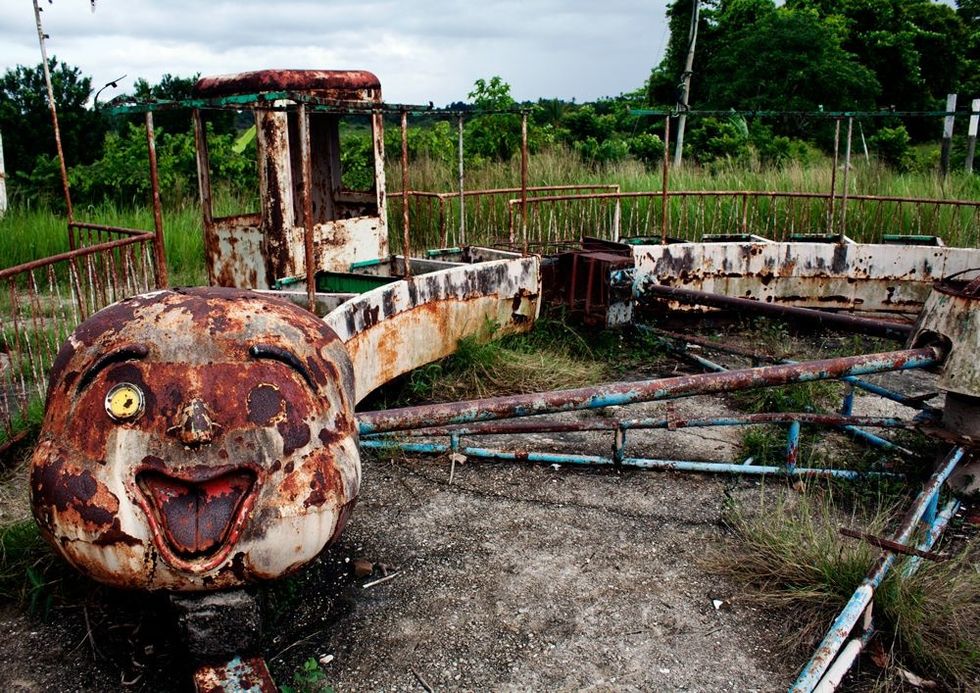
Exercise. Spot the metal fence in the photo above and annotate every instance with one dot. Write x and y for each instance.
(43, 301)
(694, 215)
(435, 220)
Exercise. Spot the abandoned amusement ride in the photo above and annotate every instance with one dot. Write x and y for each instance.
(202, 440)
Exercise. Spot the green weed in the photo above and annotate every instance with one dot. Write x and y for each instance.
(308, 679)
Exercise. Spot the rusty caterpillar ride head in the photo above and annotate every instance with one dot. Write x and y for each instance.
(196, 439)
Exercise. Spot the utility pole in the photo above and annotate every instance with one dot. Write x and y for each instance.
(3, 182)
(947, 135)
(692, 39)
(41, 36)
(971, 143)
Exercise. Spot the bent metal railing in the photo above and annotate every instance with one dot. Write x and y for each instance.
(692, 215)
(43, 301)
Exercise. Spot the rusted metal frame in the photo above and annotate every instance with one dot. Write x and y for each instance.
(73, 254)
(406, 243)
(159, 250)
(16, 364)
(524, 172)
(91, 289)
(793, 435)
(664, 185)
(306, 181)
(869, 326)
(657, 389)
(8, 387)
(533, 425)
(811, 675)
(52, 106)
(118, 286)
(46, 350)
(882, 543)
(84, 225)
(842, 234)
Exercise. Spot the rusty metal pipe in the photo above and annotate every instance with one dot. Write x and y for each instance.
(663, 191)
(622, 393)
(532, 425)
(54, 116)
(159, 251)
(877, 328)
(406, 244)
(306, 179)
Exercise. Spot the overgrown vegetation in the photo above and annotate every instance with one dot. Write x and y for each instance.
(791, 556)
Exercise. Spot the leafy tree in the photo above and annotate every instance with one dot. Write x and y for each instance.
(495, 136)
(786, 59)
(647, 148)
(915, 47)
(24, 111)
(893, 147)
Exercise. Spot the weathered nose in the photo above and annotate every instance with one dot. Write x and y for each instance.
(194, 425)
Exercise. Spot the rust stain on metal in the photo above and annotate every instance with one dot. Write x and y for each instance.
(240, 463)
(340, 84)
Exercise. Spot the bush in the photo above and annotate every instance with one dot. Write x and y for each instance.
(713, 139)
(647, 148)
(893, 147)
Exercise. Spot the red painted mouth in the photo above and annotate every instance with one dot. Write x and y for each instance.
(197, 514)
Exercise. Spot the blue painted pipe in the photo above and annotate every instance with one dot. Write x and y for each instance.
(844, 623)
(598, 461)
(792, 447)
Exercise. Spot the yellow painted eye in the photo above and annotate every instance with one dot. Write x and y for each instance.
(124, 402)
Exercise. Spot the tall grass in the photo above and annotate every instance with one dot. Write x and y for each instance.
(791, 555)
(29, 231)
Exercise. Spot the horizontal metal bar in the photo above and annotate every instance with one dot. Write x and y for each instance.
(810, 114)
(883, 543)
(879, 328)
(71, 254)
(533, 425)
(599, 461)
(617, 394)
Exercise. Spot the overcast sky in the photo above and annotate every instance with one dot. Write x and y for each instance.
(421, 50)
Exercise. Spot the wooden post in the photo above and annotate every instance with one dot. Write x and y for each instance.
(3, 182)
(971, 146)
(947, 134)
(524, 165)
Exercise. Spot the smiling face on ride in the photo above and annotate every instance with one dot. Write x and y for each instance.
(197, 439)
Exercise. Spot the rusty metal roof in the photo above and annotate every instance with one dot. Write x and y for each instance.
(335, 81)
